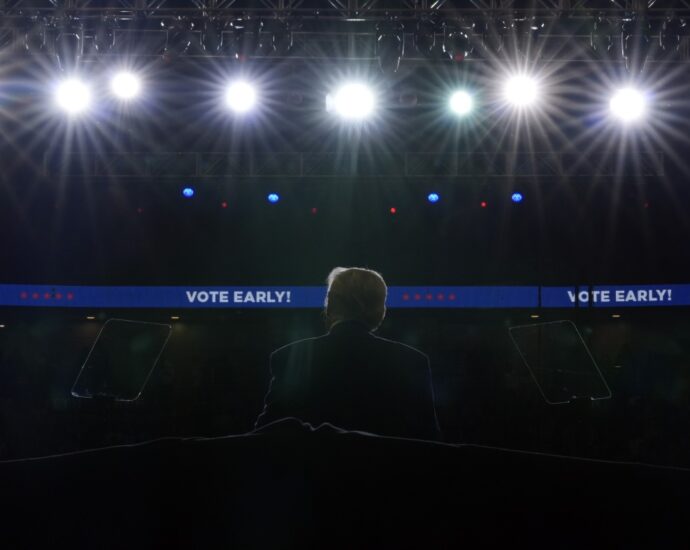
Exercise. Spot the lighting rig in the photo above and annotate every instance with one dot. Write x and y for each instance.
(380, 36)
(385, 32)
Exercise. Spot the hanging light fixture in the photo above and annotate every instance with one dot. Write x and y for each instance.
(104, 37)
(35, 35)
(244, 38)
(425, 37)
(601, 36)
(179, 37)
(456, 41)
(492, 33)
(635, 43)
(69, 43)
(672, 31)
(390, 45)
(212, 35)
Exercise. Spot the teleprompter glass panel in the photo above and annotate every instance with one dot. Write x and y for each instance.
(121, 360)
(560, 362)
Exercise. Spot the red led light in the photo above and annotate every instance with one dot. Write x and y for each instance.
(70, 295)
(440, 297)
(483, 204)
(58, 296)
(314, 210)
(393, 210)
(140, 210)
(451, 296)
(35, 295)
(429, 296)
(406, 296)
(417, 297)
(47, 296)
(224, 204)
(23, 294)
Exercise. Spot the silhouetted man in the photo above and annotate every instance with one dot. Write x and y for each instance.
(349, 377)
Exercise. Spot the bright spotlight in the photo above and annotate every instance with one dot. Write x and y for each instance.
(188, 192)
(125, 85)
(73, 96)
(433, 197)
(240, 96)
(461, 103)
(273, 197)
(521, 91)
(628, 105)
(352, 101)
(516, 197)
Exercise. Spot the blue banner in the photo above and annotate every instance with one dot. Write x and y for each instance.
(463, 296)
(162, 296)
(615, 296)
(502, 297)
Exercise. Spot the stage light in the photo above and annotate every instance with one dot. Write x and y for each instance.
(188, 192)
(671, 34)
(456, 42)
(433, 197)
(352, 101)
(635, 43)
(601, 37)
(516, 197)
(461, 103)
(425, 38)
(104, 38)
(73, 96)
(493, 34)
(240, 96)
(483, 204)
(390, 45)
(521, 90)
(628, 105)
(526, 31)
(212, 35)
(69, 43)
(35, 36)
(275, 37)
(180, 36)
(393, 210)
(244, 39)
(125, 85)
(273, 197)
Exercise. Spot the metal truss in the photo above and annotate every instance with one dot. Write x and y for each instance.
(359, 9)
(355, 21)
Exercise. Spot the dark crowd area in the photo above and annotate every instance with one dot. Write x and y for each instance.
(213, 374)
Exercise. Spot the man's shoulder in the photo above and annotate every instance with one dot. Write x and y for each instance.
(403, 349)
(384, 346)
(296, 345)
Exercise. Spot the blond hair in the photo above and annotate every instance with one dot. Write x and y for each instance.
(356, 293)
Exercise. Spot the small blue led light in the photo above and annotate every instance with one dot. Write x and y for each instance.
(273, 197)
(188, 192)
(433, 197)
(517, 197)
